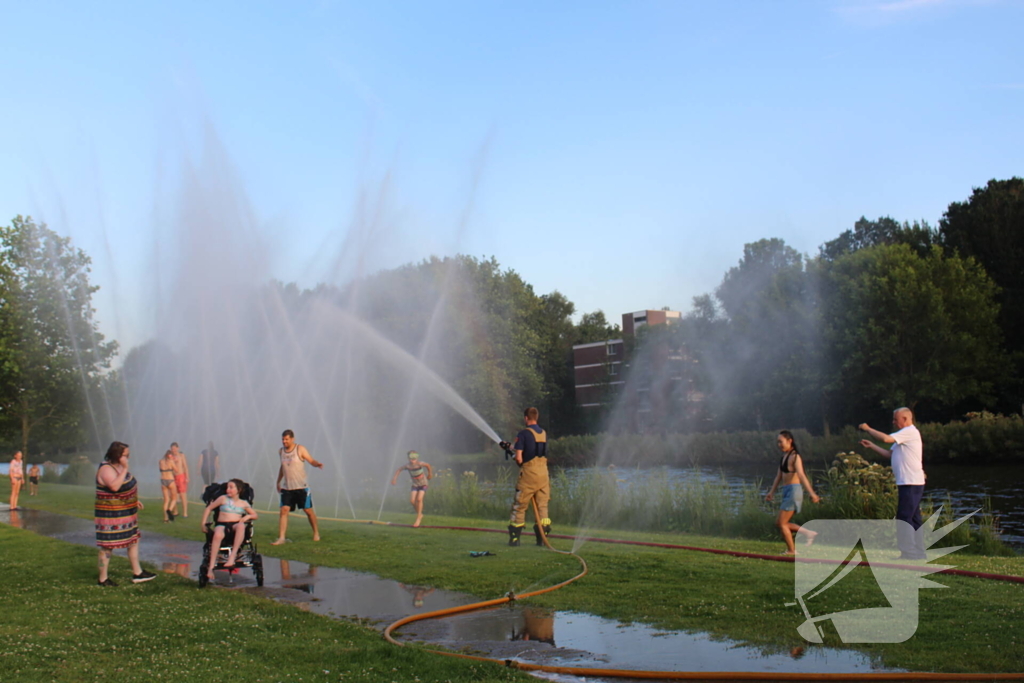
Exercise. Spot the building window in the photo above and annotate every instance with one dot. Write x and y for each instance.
(613, 349)
(613, 369)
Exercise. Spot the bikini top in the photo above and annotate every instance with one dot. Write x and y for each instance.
(230, 508)
(783, 462)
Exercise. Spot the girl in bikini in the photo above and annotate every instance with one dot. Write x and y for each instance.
(166, 465)
(234, 513)
(794, 481)
(420, 473)
(17, 473)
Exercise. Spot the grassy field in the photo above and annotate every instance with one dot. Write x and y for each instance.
(972, 626)
(58, 625)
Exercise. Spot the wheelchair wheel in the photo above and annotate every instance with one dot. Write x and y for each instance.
(257, 569)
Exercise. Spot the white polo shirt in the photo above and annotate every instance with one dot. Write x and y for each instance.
(908, 457)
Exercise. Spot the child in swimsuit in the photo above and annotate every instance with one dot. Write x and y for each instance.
(419, 482)
(232, 516)
(33, 480)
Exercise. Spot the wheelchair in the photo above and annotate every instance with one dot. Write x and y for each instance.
(248, 556)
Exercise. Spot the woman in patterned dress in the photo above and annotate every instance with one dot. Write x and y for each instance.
(117, 518)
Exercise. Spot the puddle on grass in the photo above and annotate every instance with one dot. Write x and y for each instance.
(520, 632)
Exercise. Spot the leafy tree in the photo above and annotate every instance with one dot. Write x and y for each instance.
(885, 230)
(905, 329)
(480, 327)
(558, 334)
(766, 362)
(594, 327)
(989, 226)
(53, 354)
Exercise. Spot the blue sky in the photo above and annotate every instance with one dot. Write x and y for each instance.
(620, 152)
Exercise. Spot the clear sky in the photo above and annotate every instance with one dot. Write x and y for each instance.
(620, 152)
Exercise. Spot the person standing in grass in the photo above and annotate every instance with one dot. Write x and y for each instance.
(908, 465)
(419, 482)
(181, 478)
(33, 479)
(117, 513)
(167, 489)
(17, 475)
(209, 465)
(295, 493)
(531, 451)
(793, 481)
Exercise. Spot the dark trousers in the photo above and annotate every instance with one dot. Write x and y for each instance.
(908, 509)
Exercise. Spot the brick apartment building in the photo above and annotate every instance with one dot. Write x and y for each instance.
(658, 384)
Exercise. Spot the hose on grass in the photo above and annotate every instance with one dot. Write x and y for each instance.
(659, 675)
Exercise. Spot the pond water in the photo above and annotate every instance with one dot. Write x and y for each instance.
(5, 468)
(519, 632)
(967, 488)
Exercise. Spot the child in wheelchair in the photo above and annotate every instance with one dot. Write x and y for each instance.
(231, 506)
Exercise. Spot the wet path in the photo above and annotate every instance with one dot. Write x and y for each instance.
(521, 632)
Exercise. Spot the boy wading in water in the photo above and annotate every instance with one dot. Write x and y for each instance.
(419, 482)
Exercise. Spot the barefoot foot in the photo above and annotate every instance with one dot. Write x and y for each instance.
(280, 541)
(419, 520)
(317, 537)
(810, 536)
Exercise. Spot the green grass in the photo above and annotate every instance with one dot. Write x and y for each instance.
(59, 626)
(973, 626)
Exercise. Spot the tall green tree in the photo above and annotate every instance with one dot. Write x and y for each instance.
(766, 363)
(918, 235)
(53, 354)
(594, 327)
(905, 329)
(989, 226)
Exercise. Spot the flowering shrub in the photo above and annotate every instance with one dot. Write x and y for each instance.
(857, 489)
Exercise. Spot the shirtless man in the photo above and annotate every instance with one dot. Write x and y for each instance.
(33, 479)
(295, 493)
(181, 476)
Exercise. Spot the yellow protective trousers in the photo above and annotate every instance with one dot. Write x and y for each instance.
(531, 484)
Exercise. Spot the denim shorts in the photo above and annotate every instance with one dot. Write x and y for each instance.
(792, 497)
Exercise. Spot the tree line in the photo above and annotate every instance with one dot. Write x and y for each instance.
(885, 314)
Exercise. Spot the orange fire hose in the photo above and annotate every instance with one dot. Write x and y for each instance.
(660, 675)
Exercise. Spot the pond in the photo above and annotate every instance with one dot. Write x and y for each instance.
(5, 467)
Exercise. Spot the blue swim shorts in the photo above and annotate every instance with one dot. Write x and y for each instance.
(792, 497)
(297, 499)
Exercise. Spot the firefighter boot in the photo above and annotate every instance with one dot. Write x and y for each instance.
(536, 532)
(513, 535)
